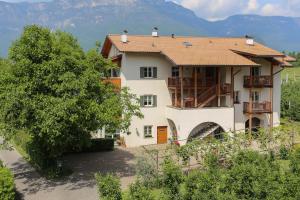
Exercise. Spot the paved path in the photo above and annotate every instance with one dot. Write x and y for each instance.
(81, 184)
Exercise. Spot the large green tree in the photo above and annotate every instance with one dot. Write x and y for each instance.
(54, 92)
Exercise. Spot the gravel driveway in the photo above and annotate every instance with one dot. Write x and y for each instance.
(81, 184)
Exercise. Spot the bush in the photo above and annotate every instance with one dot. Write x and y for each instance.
(7, 186)
(95, 145)
(109, 187)
(172, 178)
(283, 153)
(139, 192)
(98, 145)
(295, 162)
(147, 173)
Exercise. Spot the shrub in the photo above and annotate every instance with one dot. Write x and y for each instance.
(295, 162)
(283, 153)
(109, 187)
(172, 178)
(147, 173)
(98, 145)
(7, 186)
(139, 192)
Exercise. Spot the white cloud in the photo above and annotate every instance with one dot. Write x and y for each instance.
(219, 9)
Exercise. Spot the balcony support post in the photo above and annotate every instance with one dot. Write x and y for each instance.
(271, 96)
(219, 86)
(195, 86)
(250, 104)
(181, 87)
(232, 87)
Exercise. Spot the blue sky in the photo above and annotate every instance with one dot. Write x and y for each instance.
(220, 9)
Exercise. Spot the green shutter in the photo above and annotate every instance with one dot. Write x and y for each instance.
(154, 101)
(142, 101)
(141, 72)
(154, 72)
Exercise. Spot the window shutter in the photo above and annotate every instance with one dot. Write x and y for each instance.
(142, 101)
(141, 72)
(154, 72)
(154, 101)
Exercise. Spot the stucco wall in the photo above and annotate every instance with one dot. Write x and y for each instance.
(130, 76)
(186, 120)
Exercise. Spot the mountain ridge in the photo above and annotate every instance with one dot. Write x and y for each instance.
(92, 20)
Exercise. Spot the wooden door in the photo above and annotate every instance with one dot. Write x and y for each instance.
(162, 134)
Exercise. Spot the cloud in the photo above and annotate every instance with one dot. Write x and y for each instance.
(220, 9)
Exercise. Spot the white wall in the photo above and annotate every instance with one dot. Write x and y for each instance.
(185, 120)
(130, 76)
(188, 119)
(240, 117)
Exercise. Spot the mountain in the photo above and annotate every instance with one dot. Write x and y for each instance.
(91, 20)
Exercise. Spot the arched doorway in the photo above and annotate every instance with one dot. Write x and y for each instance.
(205, 130)
(173, 129)
(256, 124)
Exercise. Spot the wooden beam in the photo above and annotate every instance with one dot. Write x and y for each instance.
(195, 86)
(250, 104)
(181, 87)
(271, 96)
(219, 86)
(232, 87)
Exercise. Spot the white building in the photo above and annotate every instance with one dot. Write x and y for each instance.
(195, 87)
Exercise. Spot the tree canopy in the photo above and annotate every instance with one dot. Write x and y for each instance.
(53, 91)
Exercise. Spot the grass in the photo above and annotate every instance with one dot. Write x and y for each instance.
(293, 74)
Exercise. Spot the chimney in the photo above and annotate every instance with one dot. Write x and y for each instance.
(249, 40)
(155, 32)
(124, 37)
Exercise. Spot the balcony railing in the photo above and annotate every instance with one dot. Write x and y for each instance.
(257, 108)
(116, 81)
(188, 82)
(257, 81)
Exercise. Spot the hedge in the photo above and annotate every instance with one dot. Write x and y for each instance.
(95, 145)
(98, 145)
(7, 186)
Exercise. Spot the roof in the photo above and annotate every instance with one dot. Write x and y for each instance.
(194, 51)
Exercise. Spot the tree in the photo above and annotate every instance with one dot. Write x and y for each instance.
(290, 103)
(54, 92)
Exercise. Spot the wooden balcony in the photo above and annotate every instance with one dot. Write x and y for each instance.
(257, 108)
(116, 81)
(175, 82)
(258, 82)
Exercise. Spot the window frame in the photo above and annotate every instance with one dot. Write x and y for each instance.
(148, 131)
(175, 72)
(255, 94)
(237, 95)
(148, 72)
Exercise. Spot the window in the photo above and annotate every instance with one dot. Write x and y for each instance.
(148, 72)
(237, 97)
(255, 96)
(148, 101)
(255, 71)
(175, 71)
(114, 73)
(147, 131)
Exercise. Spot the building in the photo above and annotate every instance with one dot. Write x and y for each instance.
(194, 87)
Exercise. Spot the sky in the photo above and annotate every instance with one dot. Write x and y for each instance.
(220, 9)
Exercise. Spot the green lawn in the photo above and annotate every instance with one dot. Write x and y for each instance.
(293, 74)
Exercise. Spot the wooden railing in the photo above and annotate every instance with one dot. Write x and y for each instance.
(257, 108)
(176, 82)
(225, 88)
(205, 96)
(116, 81)
(258, 81)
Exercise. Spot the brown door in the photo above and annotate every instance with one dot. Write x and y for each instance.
(162, 134)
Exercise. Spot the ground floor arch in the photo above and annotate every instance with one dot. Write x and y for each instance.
(256, 124)
(206, 130)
